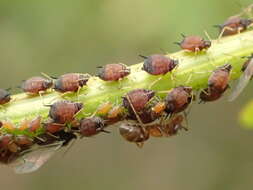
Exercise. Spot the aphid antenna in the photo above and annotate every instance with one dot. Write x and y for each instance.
(207, 35)
(143, 56)
(48, 77)
(217, 26)
(40, 139)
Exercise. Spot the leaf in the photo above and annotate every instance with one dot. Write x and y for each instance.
(246, 115)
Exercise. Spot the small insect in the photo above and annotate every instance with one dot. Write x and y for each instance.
(158, 64)
(113, 72)
(247, 70)
(91, 126)
(71, 82)
(139, 98)
(36, 85)
(64, 111)
(7, 144)
(104, 108)
(115, 112)
(51, 127)
(217, 84)
(23, 141)
(194, 43)
(133, 132)
(178, 99)
(234, 25)
(158, 108)
(5, 96)
(30, 125)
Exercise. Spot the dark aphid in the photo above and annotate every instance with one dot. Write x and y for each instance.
(158, 64)
(178, 99)
(5, 96)
(71, 82)
(139, 98)
(66, 137)
(133, 133)
(23, 141)
(113, 72)
(234, 25)
(217, 84)
(35, 85)
(194, 43)
(51, 127)
(247, 75)
(64, 111)
(91, 126)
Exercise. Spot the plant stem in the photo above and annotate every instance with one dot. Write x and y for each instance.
(193, 70)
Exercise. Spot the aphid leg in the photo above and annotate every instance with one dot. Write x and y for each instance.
(223, 30)
(40, 139)
(207, 35)
(50, 134)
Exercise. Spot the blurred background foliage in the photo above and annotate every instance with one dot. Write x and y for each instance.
(77, 36)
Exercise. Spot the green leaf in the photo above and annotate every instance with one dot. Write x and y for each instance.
(246, 115)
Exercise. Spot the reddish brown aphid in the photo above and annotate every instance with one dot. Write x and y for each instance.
(51, 127)
(155, 130)
(178, 99)
(7, 143)
(194, 43)
(35, 85)
(5, 96)
(133, 133)
(35, 124)
(158, 64)
(23, 141)
(113, 72)
(217, 84)
(71, 82)
(64, 111)
(91, 126)
(234, 25)
(139, 98)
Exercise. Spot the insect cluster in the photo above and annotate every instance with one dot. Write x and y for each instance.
(142, 113)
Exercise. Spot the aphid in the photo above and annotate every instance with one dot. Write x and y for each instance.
(159, 108)
(247, 70)
(64, 111)
(217, 84)
(7, 144)
(91, 126)
(133, 132)
(113, 72)
(115, 112)
(104, 108)
(172, 127)
(71, 82)
(158, 64)
(35, 124)
(194, 43)
(234, 25)
(178, 99)
(139, 98)
(51, 127)
(36, 85)
(5, 96)
(23, 141)
(155, 130)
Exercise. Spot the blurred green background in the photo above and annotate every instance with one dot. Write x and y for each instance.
(64, 36)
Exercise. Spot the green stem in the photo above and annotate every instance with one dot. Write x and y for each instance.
(193, 70)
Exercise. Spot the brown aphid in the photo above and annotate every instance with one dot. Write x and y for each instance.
(35, 124)
(172, 127)
(5, 96)
(7, 143)
(23, 141)
(139, 98)
(178, 99)
(208, 95)
(234, 25)
(71, 82)
(194, 43)
(155, 130)
(36, 85)
(51, 127)
(158, 64)
(91, 126)
(64, 111)
(247, 75)
(218, 81)
(133, 132)
(113, 72)
(104, 108)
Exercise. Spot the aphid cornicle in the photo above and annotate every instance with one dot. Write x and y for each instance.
(158, 64)
(133, 132)
(234, 25)
(247, 75)
(113, 72)
(194, 43)
(178, 99)
(5, 96)
(35, 85)
(71, 82)
(64, 111)
(217, 84)
(91, 126)
(139, 98)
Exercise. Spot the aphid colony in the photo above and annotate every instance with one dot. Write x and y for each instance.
(142, 114)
